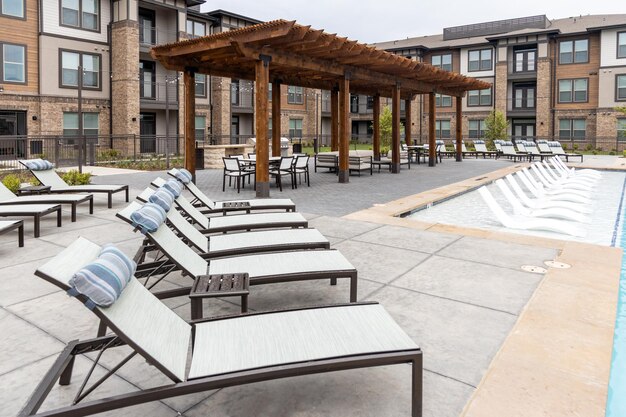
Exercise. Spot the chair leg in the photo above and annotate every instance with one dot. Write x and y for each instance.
(224, 182)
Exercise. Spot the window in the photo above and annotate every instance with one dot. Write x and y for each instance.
(620, 86)
(12, 8)
(295, 95)
(70, 124)
(572, 128)
(574, 52)
(354, 103)
(147, 79)
(200, 127)
(234, 92)
(200, 85)
(442, 61)
(442, 128)
(147, 27)
(621, 129)
(621, 45)
(81, 14)
(370, 102)
(480, 60)
(479, 98)
(13, 63)
(525, 61)
(573, 91)
(523, 97)
(295, 128)
(476, 129)
(441, 100)
(70, 61)
(269, 91)
(196, 29)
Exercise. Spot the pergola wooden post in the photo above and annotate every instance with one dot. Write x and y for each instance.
(344, 129)
(276, 122)
(459, 129)
(432, 147)
(408, 121)
(376, 127)
(262, 76)
(189, 79)
(334, 119)
(395, 129)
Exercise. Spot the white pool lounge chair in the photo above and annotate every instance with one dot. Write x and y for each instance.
(556, 181)
(573, 171)
(206, 205)
(525, 223)
(223, 352)
(7, 197)
(51, 178)
(552, 212)
(541, 203)
(563, 177)
(539, 191)
(548, 184)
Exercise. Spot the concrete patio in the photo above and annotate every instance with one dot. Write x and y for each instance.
(457, 295)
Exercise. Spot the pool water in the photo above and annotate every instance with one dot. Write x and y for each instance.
(607, 227)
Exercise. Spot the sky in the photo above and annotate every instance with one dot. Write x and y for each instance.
(372, 21)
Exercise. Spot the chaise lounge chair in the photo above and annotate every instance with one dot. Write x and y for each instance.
(481, 148)
(558, 150)
(225, 352)
(50, 178)
(7, 197)
(541, 203)
(8, 225)
(208, 206)
(525, 223)
(508, 151)
(539, 191)
(37, 211)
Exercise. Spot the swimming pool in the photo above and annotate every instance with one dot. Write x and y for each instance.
(607, 227)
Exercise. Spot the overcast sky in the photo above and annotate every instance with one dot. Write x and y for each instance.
(383, 20)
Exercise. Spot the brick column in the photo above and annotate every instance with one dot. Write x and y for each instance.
(125, 77)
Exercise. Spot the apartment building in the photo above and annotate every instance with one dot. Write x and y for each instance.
(558, 78)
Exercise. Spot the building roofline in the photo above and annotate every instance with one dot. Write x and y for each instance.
(200, 15)
(221, 12)
(513, 34)
(596, 28)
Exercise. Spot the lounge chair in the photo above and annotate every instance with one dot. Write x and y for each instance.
(465, 152)
(539, 191)
(525, 223)
(561, 177)
(481, 148)
(265, 268)
(508, 151)
(552, 212)
(533, 150)
(540, 170)
(208, 206)
(235, 243)
(7, 197)
(37, 211)
(51, 178)
(557, 149)
(236, 222)
(543, 147)
(8, 225)
(251, 348)
(542, 203)
(558, 162)
(442, 151)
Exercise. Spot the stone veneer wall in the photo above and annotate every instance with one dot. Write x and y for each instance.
(125, 77)
(544, 98)
(220, 97)
(501, 98)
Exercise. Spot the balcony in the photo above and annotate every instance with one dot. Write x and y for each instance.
(523, 65)
(153, 95)
(241, 100)
(150, 36)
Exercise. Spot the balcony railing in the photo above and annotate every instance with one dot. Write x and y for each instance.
(526, 67)
(150, 36)
(156, 92)
(241, 99)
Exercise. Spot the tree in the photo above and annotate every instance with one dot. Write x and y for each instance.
(496, 126)
(386, 127)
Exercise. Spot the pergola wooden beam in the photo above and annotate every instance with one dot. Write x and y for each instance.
(459, 129)
(261, 121)
(432, 146)
(395, 130)
(344, 130)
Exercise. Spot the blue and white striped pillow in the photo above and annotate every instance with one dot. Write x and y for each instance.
(103, 280)
(183, 175)
(479, 142)
(148, 218)
(162, 197)
(38, 164)
(173, 187)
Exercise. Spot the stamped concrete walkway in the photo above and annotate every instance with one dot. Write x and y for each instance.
(458, 296)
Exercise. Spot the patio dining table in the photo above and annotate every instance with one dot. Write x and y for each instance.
(418, 151)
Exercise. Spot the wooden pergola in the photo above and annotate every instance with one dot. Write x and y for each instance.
(284, 52)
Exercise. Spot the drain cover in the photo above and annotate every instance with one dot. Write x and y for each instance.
(534, 269)
(559, 265)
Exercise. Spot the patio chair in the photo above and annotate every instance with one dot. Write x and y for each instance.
(235, 243)
(358, 163)
(539, 191)
(525, 223)
(233, 168)
(36, 211)
(285, 167)
(301, 167)
(441, 150)
(336, 338)
(481, 148)
(557, 149)
(543, 147)
(265, 268)
(50, 178)
(508, 151)
(328, 160)
(404, 158)
(533, 150)
(7, 197)
(8, 225)
(543, 202)
(552, 212)
(208, 206)
(464, 150)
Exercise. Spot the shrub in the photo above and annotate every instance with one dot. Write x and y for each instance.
(73, 177)
(109, 154)
(612, 153)
(575, 146)
(12, 182)
(594, 152)
(589, 147)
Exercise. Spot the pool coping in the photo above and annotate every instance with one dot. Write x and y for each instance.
(548, 364)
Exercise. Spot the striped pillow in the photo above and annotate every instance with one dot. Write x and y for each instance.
(173, 187)
(163, 198)
(479, 142)
(103, 280)
(148, 218)
(38, 164)
(183, 175)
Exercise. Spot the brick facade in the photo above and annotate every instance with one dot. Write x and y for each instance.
(124, 77)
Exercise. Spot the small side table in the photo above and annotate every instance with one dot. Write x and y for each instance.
(34, 189)
(211, 286)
